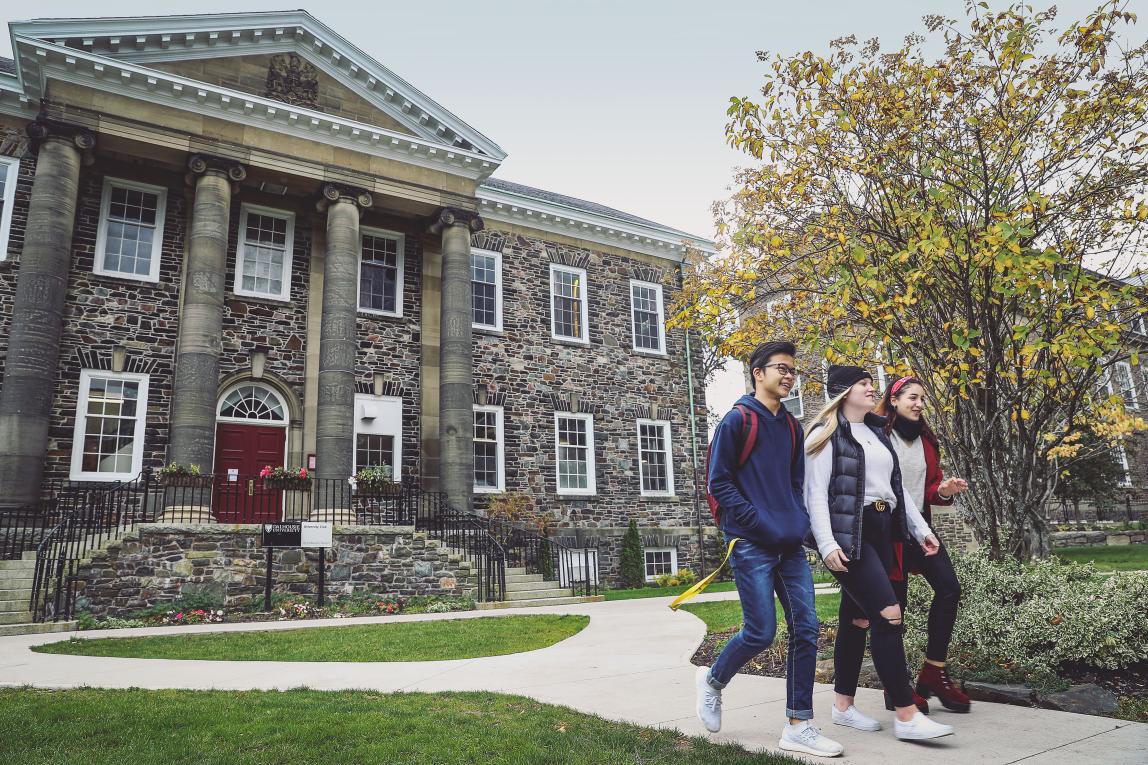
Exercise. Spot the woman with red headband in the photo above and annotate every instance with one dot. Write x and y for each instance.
(918, 452)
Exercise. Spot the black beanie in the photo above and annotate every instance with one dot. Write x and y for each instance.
(841, 378)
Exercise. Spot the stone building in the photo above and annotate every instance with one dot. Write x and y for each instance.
(237, 240)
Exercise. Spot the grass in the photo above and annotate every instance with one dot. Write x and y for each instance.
(402, 641)
(820, 576)
(1109, 558)
(96, 727)
(723, 615)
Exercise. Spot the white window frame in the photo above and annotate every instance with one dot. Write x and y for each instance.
(591, 475)
(76, 472)
(497, 326)
(661, 349)
(241, 251)
(1125, 481)
(1130, 396)
(10, 167)
(570, 565)
(669, 452)
(583, 303)
(673, 551)
(400, 276)
(387, 421)
(500, 441)
(98, 266)
(795, 394)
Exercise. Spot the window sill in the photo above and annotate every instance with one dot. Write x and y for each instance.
(576, 497)
(660, 498)
(262, 298)
(570, 341)
(377, 314)
(136, 278)
(484, 330)
(649, 353)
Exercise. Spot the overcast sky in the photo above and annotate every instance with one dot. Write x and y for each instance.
(620, 102)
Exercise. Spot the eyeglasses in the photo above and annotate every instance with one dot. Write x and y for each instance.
(783, 369)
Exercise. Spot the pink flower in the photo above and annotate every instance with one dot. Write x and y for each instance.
(302, 472)
(266, 471)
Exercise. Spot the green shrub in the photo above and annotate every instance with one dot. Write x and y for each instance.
(1024, 621)
(680, 577)
(633, 562)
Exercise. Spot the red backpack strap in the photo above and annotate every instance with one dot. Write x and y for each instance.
(792, 433)
(749, 440)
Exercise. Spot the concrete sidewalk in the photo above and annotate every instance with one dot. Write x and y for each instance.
(631, 663)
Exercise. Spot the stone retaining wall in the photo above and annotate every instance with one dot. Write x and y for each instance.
(160, 564)
(1097, 538)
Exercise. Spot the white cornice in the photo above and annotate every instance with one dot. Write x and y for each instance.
(546, 215)
(173, 38)
(37, 59)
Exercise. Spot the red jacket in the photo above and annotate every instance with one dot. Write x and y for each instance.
(933, 478)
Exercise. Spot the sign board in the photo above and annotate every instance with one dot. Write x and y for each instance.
(289, 534)
(232, 474)
(316, 534)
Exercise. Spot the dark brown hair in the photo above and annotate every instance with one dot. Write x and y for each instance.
(886, 409)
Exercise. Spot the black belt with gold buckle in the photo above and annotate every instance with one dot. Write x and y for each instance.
(879, 506)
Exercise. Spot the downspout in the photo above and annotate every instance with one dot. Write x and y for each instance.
(694, 440)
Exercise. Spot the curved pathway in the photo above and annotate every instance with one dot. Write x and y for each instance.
(631, 663)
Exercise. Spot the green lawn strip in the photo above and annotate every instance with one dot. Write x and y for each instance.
(98, 727)
(723, 615)
(401, 641)
(1109, 558)
(819, 577)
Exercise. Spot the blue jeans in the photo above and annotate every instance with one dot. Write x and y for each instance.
(759, 573)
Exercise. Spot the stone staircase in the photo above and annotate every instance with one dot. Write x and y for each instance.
(525, 590)
(15, 592)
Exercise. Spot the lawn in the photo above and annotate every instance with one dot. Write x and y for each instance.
(820, 576)
(401, 641)
(1109, 558)
(96, 727)
(723, 615)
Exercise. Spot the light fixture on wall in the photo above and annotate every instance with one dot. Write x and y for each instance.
(258, 362)
(378, 384)
(119, 358)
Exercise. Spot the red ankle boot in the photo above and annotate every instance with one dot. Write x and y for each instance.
(935, 681)
(921, 703)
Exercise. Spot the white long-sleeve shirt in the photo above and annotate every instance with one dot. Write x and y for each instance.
(878, 486)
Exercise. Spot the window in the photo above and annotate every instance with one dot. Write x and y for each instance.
(579, 564)
(263, 264)
(568, 303)
(1125, 481)
(1138, 324)
(655, 466)
(130, 231)
(252, 402)
(793, 401)
(660, 561)
(486, 289)
(1124, 385)
(379, 432)
(107, 443)
(9, 169)
(648, 317)
(574, 444)
(488, 449)
(381, 272)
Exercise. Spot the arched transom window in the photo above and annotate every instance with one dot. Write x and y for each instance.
(252, 402)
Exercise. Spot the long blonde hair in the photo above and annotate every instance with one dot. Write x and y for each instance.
(824, 424)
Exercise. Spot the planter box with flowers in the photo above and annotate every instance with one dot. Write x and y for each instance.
(295, 479)
(375, 482)
(175, 474)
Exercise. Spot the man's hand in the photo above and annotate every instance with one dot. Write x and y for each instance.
(931, 545)
(836, 561)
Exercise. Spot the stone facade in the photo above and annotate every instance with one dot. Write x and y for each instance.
(1097, 538)
(161, 564)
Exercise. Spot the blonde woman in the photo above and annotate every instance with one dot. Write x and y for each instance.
(857, 510)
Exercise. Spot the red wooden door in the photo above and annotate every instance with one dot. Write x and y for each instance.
(247, 449)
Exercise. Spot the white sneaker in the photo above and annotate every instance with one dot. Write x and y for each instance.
(919, 728)
(853, 718)
(709, 701)
(807, 739)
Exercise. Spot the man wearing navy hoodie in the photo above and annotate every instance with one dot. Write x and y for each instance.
(762, 505)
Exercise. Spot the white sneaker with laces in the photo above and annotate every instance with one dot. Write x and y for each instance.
(807, 739)
(709, 701)
(853, 718)
(920, 728)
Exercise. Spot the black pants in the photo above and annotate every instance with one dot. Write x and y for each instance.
(866, 591)
(938, 572)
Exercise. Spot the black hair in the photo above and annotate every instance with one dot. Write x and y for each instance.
(764, 352)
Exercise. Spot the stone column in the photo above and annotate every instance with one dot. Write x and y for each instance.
(38, 308)
(201, 315)
(335, 425)
(456, 365)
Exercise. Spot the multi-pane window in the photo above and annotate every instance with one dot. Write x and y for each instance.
(108, 438)
(660, 561)
(9, 167)
(378, 432)
(130, 230)
(647, 314)
(654, 465)
(1125, 481)
(1124, 385)
(488, 450)
(793, 401)
(252, 402)
(374, 450)
(486, 289)
(381, 272)
(263, 267)
(568, 303)
(574, 442)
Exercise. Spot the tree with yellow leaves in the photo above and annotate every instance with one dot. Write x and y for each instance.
(963, 218)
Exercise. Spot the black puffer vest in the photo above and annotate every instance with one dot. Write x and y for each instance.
(847, 486)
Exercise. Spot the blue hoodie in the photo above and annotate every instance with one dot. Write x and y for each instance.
(763, 501)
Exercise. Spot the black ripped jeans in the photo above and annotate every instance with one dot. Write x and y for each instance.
(938, 572)
(865, 592)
